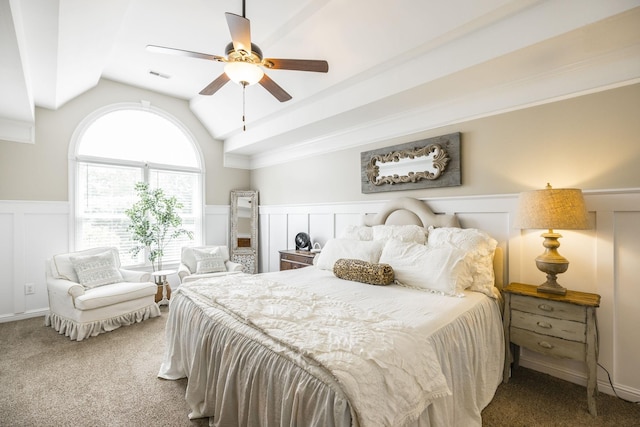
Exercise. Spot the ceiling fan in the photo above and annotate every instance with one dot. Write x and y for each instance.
(244, 60)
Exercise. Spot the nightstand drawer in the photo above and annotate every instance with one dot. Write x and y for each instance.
(286, 265)
(303, 259)
(548, 308)
(545, 344)
(296, 259)
(545, 325)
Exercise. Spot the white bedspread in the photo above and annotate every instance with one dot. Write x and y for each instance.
(389, 348)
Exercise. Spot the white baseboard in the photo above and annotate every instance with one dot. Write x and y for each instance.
(624, 392)
(22, 316)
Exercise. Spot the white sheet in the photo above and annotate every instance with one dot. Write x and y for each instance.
(466, 333)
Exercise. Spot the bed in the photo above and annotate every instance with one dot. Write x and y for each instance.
(306, 347)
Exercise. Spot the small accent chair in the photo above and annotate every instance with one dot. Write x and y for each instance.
(199, 262)
(90, 294)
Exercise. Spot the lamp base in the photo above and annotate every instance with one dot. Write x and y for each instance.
(552, 263)
(551, 286)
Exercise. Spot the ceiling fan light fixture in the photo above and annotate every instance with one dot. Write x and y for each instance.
(244, 61)
(243, 73)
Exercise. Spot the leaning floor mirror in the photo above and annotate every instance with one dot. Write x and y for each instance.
(244, 229)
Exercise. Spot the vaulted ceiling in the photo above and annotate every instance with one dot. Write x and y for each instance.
(395, 66)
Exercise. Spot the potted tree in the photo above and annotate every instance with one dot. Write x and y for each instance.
(155, 222)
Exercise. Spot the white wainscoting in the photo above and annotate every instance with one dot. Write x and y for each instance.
(32, 232)
(604, 260)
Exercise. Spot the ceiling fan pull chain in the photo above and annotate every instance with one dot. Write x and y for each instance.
(244, 123)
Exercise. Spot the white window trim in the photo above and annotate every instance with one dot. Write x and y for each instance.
(74, 158)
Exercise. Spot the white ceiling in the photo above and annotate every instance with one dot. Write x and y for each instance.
(395, 66)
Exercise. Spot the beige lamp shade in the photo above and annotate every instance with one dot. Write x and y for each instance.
(551, 208)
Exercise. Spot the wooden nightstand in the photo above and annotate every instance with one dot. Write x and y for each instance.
(296, 259)
(556, 325)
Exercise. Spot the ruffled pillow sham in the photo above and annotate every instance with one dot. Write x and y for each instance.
(479, 248)
(333, 250)
(405, 233)
(440, 270)
(357, 232)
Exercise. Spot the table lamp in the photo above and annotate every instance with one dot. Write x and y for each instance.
(552, 208)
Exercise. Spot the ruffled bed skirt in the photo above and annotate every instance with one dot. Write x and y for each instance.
(80, 331)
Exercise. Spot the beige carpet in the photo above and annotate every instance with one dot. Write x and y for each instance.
(110, 380)
(535, 399)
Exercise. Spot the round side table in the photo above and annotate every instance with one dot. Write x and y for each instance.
(164, 290)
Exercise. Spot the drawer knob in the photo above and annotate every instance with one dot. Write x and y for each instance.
(545, 325)
(545, 344)
(545, 307)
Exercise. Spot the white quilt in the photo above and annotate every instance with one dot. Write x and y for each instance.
(389, 348)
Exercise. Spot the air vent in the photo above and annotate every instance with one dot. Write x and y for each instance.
(159, 74)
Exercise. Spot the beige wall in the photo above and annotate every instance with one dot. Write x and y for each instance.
(589, 142)
(39, 171)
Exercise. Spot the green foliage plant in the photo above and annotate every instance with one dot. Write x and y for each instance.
(155, 222)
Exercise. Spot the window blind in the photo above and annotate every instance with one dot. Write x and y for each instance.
(105, 192)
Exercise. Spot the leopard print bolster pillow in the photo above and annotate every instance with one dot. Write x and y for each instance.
(362, 271)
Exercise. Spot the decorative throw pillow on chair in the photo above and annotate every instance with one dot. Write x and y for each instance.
(96, 270)
(209, 261)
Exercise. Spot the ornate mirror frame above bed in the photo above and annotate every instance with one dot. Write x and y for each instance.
(427, 163)
(411, 211)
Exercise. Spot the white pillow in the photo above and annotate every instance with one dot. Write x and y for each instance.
(96, 270)
(404, 233)
(333, 250)
(209, 261)
(188, 257)
(357, 232)
(62, 268)
(440, 270)
(480, 248)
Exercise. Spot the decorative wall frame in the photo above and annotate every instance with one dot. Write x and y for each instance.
(427, 163)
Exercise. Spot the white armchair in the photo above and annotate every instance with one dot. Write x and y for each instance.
(90, 294)
(205, 261)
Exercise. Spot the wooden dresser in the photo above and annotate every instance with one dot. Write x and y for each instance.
(296, 259)
(555, 325)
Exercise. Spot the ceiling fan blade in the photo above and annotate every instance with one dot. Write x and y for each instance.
(274, 89)
(215, 85)
(297, 64)
(240, 29)
(187, 53)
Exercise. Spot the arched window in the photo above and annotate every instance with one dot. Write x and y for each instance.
(112, 150)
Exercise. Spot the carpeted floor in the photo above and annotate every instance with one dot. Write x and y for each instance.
(533, 399)
(110, 380)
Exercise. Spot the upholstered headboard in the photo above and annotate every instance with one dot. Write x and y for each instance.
(407, 210)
